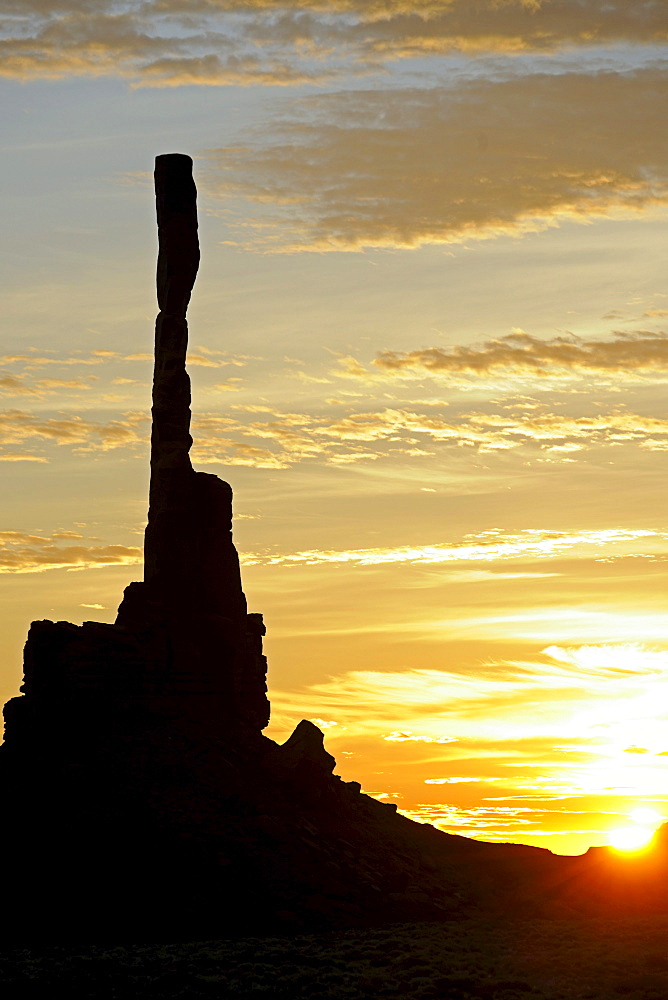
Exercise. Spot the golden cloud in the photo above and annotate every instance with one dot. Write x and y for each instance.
(21, 552)
(499, 823)
(217, 42)
(411, 167)
(14, 385)
(34, 360)
(30, 362)
(18, 385)
(487, 546)
(460, 717)
(400, 432)
(17, 426)
(55, 40)
(496, 748)
(224, 450)
(283, 439)
(625, 355)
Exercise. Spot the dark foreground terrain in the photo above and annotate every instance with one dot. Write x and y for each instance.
(466, 959)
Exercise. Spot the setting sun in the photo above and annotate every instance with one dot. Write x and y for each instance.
(630, 838)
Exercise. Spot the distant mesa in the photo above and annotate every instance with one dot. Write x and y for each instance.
(140, 796)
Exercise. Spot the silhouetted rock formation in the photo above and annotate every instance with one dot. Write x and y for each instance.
(192, 584)
(139, 794)
(183, 645)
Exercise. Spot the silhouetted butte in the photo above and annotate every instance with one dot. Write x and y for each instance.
(140, 796)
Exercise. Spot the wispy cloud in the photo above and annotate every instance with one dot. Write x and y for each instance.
(218, 42)
(367, 436)
(517, 822)
(21, 552)
(487, 546)
(473, 717)
(18, 426)
(221, 438)
(33, 360)
(500, 432)
(282, 439)
(446, 164)
(517, 748)
(626, 356)
(146, 44)
(19, 385)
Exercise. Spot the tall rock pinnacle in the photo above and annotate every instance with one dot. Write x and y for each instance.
(192, 582)
(178, 262)
(183, 646)
(190, 561)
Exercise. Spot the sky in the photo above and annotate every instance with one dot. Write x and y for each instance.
(429, 352)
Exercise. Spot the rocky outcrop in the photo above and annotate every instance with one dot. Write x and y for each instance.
(140, 797)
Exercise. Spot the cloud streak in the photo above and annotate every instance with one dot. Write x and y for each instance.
(18, 385)
(220, 42)
(625, 355)
(488, 546)
(19, 426)
(21, 552)
(478, 722)
(282, 439)
(397, 433)
(201, 357)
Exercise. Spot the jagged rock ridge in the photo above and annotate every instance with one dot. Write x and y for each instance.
(142, 797)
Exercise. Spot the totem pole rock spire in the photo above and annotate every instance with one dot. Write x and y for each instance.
(190, 562)
(192, 580)
(183, 646)
(165, 557)
(178, 262)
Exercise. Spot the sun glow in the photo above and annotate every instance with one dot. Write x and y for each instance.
(646, 817)
(630, 838)
(640, 835)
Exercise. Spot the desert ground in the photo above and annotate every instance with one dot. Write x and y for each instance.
(467, 959)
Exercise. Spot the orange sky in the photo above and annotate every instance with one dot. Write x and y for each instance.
(428, 351)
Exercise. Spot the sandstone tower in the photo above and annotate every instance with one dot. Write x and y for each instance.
(183, 645)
